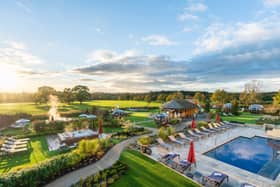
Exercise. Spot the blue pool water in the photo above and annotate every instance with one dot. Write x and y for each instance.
(257, 155)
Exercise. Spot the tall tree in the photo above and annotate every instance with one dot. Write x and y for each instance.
(200, 98)
(176, 95)
(234, 106)
(251, 93)
(43, 93)
(81, 93)
(220, 97)
(67, 95)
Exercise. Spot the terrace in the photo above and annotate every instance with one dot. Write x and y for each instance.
(206, 165)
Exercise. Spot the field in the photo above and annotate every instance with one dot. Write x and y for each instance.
(144, 171)
(31, 108)
(38, 151)
(244, 117)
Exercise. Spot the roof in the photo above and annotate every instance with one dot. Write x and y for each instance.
(179, 104)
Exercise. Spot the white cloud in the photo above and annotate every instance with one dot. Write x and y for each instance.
(220, 36)
(158, 40)
(105, 56)
(187, 17)
(271, 3)
(187, 29)
(16, 53)
(197, 7)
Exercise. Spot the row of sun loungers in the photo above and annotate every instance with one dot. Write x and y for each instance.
(12, 145)
(173, 160)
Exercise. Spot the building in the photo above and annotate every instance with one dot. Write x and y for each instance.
(180, 108)
(70, 138)
(256, 108)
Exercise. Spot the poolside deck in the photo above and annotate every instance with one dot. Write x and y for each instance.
(206, 165)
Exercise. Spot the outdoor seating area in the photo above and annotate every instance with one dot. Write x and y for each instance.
(205, 170)
(12, 145)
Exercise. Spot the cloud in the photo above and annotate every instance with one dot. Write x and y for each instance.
(271, 3)
(16, 53)
(87, 80)
(197, 7)
(228, 68)
(219, 36)
(187, 17)
(23, 5)
(187, 29)
(158, 40)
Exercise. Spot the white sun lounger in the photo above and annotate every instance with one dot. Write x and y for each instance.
(208, 130)
(200, 132)
(184, 137)
(194, 134)
(163, 144)
(174, 140)
(214, 128)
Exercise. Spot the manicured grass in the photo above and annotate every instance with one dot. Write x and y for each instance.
(244, 117)
(38, 151)
(13, 131)
(112, 129)
(144, 172)
(31, 108)
(142, 117)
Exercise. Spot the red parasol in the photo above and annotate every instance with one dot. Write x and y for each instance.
(191, 156)
(218, 119)
(100, 127)
(193, 126)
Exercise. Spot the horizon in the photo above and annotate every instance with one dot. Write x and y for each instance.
(139, 47)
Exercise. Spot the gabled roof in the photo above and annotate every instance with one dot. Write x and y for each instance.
(179, 104)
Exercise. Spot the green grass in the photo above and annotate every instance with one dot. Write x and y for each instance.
(38, 151)
(144, 172)
(244, 117)
(142, 117)
(31, 108)
(112, 129)
(12, 131)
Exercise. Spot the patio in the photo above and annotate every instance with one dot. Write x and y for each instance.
(206, 165)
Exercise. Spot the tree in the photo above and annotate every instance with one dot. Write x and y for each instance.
(220, 97)
(176, 95)
(251, 93)
(43, 93)
(67, 95)
(200, 98)
(207, 105)
(235, 107)
(276, 100)
(81, 93)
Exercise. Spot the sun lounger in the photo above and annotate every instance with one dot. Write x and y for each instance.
(163, 144)
(200, 132)
(224, 114)
(18, 150)
(214, 128)
(14, 143)
(184, 137)
(216, 178)
(167, 158)
(222, 126)
(194, 134)
(246, 185)
(208, 130)
(14, 146)
(174, 140)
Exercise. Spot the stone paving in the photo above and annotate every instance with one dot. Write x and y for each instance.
(206, 165)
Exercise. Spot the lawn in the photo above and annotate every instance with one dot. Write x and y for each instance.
(143, 118)
(38, 151)
(144, 171)
(244, 117)
(31, 108)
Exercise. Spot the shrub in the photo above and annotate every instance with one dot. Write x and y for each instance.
(164, 132)
(201, 123)
(145, 140)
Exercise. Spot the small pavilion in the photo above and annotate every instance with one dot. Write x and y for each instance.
(180, 108)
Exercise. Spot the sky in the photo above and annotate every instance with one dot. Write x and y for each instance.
(139, 46)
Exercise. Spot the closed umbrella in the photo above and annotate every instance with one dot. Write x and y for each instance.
(191, 156)
(193, 126)
(100, 128)
(218, 119)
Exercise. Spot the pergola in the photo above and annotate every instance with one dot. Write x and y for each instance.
(180, 108)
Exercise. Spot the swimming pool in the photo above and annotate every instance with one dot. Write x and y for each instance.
(257, 155)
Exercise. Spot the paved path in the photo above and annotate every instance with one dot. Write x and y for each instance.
(106, 161)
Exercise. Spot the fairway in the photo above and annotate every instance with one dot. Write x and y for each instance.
(142, 118)
(244, 117)
(38, 151)
(144, 172)
(36, 109)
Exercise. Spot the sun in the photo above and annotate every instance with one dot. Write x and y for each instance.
(8, 78)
